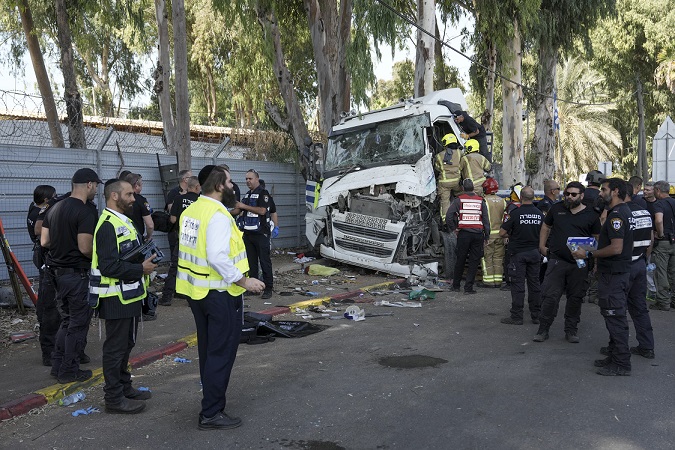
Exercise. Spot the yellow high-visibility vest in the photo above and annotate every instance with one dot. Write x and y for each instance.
(195, 276)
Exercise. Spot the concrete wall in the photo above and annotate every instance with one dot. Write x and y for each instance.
(24, 167)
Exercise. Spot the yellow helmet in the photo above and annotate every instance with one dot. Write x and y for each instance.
(471, 146)
(449, 139)
(671, 191)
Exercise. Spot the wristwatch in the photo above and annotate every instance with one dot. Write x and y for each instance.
(589, 254)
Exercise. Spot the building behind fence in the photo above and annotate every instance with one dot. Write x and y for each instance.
(26, 166)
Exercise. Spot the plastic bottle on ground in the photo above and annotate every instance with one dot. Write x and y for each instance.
(72, 398)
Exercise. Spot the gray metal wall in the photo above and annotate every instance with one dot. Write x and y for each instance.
(24, 167)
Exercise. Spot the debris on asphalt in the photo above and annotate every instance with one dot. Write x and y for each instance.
(355, 313)
(399, 304)
(318, 269)
(302, 260)
(85, 412)
(144, 389)
(422, 294)
(182, 360)
(21, 336)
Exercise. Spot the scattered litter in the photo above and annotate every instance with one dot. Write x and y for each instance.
(318, 269)
(351, 277)
(267, 303)
(330, 289)
(378, 314)
(84, 412)
(72, 398)
(15, 321)
(182, 360)
(416, 324)
(298, 289)
(303, 260)
(401, 304)
(144, 389)
(422, 294)
(311, 294)
(315, 282)
(291, 253)
(285, 293)
(21, 336)
(355, 313)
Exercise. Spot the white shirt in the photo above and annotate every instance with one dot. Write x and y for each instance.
(218, 234)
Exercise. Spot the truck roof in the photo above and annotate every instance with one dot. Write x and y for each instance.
(409, 107)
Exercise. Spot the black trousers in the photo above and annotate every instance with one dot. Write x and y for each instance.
(258, 249)
(47, 314)
(637, 306)
(469, 245)
(562, 276)
(612, 300)
(120, 339)
(524, 266)
(170, 280)
(71, 339)
(218, 318)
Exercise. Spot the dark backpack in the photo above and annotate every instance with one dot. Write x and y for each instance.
(162, 221)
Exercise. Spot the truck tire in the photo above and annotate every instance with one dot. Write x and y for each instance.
(450, 254)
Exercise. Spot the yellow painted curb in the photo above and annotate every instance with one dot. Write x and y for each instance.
(190, 340)
(57, 391)
(324, 300)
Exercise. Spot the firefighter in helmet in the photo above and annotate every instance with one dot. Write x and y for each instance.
(474, 166)
(493, 258)
(447, 167)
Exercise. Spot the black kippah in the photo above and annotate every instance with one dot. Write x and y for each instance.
(204, 173)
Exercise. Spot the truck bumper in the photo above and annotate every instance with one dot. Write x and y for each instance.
(420, 270)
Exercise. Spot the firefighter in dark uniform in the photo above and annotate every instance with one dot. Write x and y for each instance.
(569, 218)
(643, 237)
(523, 228)
(468, 215)
(47, 314)
(253, 210)
(614, 255)
(117, 289)
(68, 232)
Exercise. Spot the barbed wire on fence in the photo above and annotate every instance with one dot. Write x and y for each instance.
(23, 122)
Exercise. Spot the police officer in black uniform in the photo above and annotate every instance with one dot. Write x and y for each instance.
(570, 218)
(253, 210)
(68, 232)
(47, 314)
(614, 255)
(641, 224)
(522, 228)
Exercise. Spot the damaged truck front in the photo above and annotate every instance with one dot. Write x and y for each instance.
(376, 204)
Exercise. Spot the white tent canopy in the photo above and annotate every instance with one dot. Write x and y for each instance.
(663, 152)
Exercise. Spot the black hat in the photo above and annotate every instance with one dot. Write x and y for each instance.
(204, 173)
(85, 176)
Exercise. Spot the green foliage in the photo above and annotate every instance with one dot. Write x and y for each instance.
(389, 92)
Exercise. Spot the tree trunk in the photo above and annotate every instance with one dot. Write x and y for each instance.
(642, 139)
(424, 52)
(441, 81)
(488, 116)
(41, 75)
(182, 98)
(295, 121)
(544, 135)
(512, 123)
(330, 32)
(72, 94)
(162, 77)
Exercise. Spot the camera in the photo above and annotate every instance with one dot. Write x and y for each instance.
(142, 252)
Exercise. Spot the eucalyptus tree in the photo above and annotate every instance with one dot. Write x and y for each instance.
(587, 131)
(560, 23)
(425, 48)
(626, 49)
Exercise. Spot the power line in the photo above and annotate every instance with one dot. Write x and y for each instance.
(474, 61)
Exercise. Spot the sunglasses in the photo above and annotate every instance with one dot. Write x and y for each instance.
(572, 194)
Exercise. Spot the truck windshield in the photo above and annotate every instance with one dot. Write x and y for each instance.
(399, 140)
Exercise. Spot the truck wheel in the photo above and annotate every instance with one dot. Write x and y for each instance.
(450, 254)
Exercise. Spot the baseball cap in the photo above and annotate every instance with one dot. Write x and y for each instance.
(85, 176)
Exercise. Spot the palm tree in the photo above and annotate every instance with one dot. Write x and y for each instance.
(587, 135)
(665, 72)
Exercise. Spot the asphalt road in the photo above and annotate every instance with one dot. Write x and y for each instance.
(487, 386)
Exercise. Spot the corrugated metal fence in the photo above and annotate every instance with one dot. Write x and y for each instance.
(22, 168)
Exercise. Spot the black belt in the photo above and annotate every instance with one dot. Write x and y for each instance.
(60, 271)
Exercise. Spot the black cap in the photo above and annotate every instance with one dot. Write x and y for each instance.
(85, 176)
(204, 173)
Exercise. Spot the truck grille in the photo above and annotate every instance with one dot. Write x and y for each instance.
(380, 252)
(370, 233)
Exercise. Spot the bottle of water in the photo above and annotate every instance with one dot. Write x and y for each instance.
(72, 398)
(581, 263)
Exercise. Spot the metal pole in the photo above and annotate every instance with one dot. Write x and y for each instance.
(99, 167)
(220, 149)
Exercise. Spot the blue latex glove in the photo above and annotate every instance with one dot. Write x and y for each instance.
(275, 232)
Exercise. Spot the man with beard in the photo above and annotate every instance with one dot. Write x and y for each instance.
(253, 210)
(613, 257)
(68, 233)
(117, 288)
(664, 247)
(212, 267)
(569, 218)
